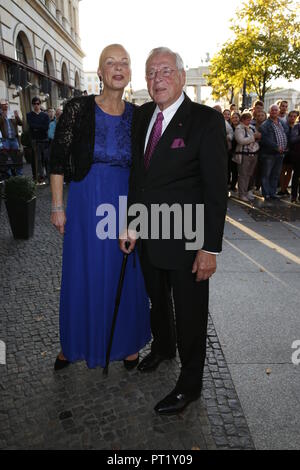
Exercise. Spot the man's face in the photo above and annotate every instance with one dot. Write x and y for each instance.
(164, 81)
(283, 108)
(36, 106)
(4, 106)
(274, 111)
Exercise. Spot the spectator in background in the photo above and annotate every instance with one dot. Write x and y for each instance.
(260, 117)
(52, 124)
(258, 106)
(9, 130)
(232, 166)
(218, 108)
(229, 136)
(232, 108)
(58, 113)
(38, 122)
(283, 110)
(273, 147)
(294, 142)
(226, 114)
(246, 153)
(287, 166)
(51, 113)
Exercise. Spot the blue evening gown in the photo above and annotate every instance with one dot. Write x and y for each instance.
(91, 266)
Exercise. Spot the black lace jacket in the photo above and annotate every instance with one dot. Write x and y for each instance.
(72, 149)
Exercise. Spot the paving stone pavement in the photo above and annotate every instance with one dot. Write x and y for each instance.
(78, 408)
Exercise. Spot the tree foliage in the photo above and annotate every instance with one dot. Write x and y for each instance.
(265, 46)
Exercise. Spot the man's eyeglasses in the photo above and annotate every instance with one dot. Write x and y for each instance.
(165, 72)
(36, 102)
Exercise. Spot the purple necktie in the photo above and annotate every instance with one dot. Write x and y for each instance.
(154, 137)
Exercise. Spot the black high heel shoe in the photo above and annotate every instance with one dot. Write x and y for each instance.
(129, 365)
(61, 363)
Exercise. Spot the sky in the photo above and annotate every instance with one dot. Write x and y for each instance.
(191, 27)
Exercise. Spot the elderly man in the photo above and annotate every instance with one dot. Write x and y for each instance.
(273, 147)
(179, 157)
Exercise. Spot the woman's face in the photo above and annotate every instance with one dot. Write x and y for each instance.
(246, 121)
(235, 119)
(226, 115)
(260, 116)
(114, 68)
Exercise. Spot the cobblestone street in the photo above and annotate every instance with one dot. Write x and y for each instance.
(78, 408)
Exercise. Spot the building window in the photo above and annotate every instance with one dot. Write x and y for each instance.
(64, 74)
(20, 50)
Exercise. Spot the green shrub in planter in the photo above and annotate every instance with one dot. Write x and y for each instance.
(20, 199)
(20, 188)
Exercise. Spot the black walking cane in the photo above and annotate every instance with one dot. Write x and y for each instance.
(117, 303)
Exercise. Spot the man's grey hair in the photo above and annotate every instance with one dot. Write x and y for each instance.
(272, 105)
(166, 50)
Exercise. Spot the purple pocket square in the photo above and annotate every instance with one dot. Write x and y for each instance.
(177, 144)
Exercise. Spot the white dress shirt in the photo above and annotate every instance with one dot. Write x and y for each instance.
(168, 115)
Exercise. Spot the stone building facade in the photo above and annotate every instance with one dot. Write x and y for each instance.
(40, 52)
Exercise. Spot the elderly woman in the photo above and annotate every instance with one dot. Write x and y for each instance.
(92, 141)
(245, 154)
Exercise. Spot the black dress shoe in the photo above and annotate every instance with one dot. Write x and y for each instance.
(175, 402)
(61, 363)
(151, 362)
(129, 365)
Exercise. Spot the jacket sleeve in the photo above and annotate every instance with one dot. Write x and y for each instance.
(62, 142)
(214, 161)
(241, 138)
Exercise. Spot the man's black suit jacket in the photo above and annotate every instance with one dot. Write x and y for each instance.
(193, 174)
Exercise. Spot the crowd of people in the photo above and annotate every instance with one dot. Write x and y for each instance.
(263, 151)
(35, 140)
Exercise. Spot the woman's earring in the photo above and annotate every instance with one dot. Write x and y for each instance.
(101, 85)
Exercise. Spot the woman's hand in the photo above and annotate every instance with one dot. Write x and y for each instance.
(58, 219)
